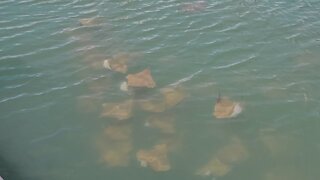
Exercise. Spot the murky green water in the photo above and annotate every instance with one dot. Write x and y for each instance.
(262, 54)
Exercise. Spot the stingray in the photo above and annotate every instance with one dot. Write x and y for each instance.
(173, 142)
(225, 108)
(115, 145)
(156, 158)
(117, 154)
(141, 79)
(121, 132)
(173, 96)
(153, 105)
(120, 111)
(116, 65)
(164, 123)
(93, 58)
(88, 104)
(234, 152)
(195, 6)
(87, 21)
(277, 144)
(214, 168)
(225, 158)
(119, 62)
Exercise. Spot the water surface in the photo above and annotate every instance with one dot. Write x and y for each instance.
(264, 54)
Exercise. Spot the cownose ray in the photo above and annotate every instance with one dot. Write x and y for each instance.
(116, 65)
(173, 95)
(142, 79)
(222, 162)
(226, 108)
(156, 158)
(119, 62)
(118, 110)
(152, 105)
(164, 123)
(87, 21)
(115, 145)
(168, 98)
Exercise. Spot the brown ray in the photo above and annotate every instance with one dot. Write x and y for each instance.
(152, 105)
(87, 21)
(119, 62)
(120, 111)
(226, 157)
(164, 123)
(225, 108)
(278, 144)
(116, 65)
(214, 168)
(141, 79)
(121, 132)
(116, 154)
(173, 141)
(195, 6)
(233, 152)
(115, 145)
(173, 95)
(156, 158)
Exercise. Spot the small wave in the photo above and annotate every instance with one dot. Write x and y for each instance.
(15, 86)
(235, 63)
(8, 57)
(52, 135)
(45, 92)
(41, 50)
(233, 27)
(203, 28)
(10, 37)
(26, 110)
(27, 25)
(188, 78)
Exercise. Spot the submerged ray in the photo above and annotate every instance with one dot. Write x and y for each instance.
(88, 21)
(173, 141)
(164, 123)
(121, 132)
(214, 168)
(278, 144)
(141, 79)
(115, 145)
(234, 152)
(119, 62)
(225, 108)
(195, 6)
(120, 111)
(88, 104)
(152, 105)
(173, 96)
(169, 97)
(226, 157)
(117, 154)
(156, 158)
(116, 65)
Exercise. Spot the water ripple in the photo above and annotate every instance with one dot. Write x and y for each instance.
(235, 63)
(247, 49)
(54, 134)
(29, 110)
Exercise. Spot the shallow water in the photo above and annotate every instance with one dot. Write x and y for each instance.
(263, 54)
